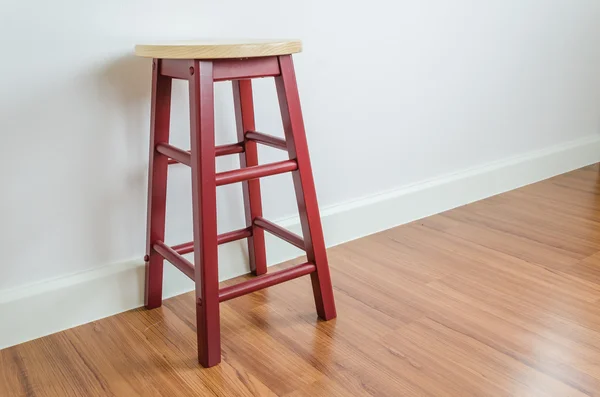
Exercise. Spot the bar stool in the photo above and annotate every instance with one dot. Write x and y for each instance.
(202, 63)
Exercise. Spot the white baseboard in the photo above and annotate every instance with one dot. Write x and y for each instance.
(47, 307)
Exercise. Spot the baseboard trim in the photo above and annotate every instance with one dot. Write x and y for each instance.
(43, 308)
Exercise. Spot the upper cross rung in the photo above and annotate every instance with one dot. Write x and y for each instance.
(222, 150)
(175, 154)
(266, 139)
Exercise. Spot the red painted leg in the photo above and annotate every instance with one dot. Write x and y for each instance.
(293, 125)
(204, 196)
(157, 184)
(244, 115)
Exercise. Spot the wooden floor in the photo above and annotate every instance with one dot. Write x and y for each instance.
(497, 298)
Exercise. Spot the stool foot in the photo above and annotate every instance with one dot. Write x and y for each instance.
(244, 116)
(154, 279)
(293, 125)
(208, 337)
(157, 184)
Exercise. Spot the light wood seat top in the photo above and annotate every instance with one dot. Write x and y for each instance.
(218, 49)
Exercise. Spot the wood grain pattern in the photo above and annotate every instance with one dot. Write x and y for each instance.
(218, 49)
(497, 298)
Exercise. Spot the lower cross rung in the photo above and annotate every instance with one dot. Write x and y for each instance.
(176, 260)
(280, 232)
(228, 237)
(267, 280)
(256, 171)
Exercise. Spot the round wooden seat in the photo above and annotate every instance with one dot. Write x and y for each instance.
(218, 49)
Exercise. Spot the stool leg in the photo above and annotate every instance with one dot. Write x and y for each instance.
(157, 184)
(204, 196)
(293, 125)
(244, 116)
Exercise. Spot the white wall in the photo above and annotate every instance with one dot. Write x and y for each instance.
(394, 93)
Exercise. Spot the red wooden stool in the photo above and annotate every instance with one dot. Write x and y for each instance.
(202, 63)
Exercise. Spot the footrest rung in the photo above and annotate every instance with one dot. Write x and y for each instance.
(257, 171)
(280, 232)
(222, 150)
(228, 237)
(176, 154)
(267, 280)
(266, 139)
(176, 260)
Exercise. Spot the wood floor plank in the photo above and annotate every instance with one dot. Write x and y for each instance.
(525, 346)
(587, 269)
(564, 349)
(557, 192)
(532, 315)
(510, 244)
(327, 388)
(472, 258)
(54, 368)
(585, 215)
(497, 298)
(466, 360)
(14, 376)
(563, 232)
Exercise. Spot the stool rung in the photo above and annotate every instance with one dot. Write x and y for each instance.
(266, 139)
(222, 150)
(257, 171)
(176, 260)
(265, 281)
(232, 148)
(228, 237)
(179, 155)
(280, 232)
